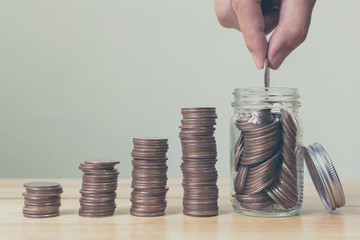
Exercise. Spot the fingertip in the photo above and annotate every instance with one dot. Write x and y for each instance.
(259, 62)
(258, 48)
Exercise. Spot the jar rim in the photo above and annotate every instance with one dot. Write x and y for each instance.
(240, 90)
(265, 97)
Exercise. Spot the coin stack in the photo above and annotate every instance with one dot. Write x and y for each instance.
(149, 177)
(98, 191)
(42, 199)
(265, 160)
(199, 157)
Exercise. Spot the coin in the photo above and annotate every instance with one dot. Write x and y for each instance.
(138, 213)
(253, 198)
(95, 213)
(94, 167)
(289, 142)
(41, 208)
(42, 185)
(101, 163)
(257, 205)
(238, 150)
(239, 182)
(201, 212)
(53, 203)
(266, 73)
(42, 215)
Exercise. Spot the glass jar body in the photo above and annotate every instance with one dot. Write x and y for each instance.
(266, 158)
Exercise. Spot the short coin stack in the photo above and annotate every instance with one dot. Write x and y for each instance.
(149, 178)
(199, 159)
(98, 192)
(42, 199)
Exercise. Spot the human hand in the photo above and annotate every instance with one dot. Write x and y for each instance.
(257, 18)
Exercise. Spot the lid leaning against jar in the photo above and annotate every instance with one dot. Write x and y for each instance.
(324, 176)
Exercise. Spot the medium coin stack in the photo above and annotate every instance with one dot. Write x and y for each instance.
(42, 199)
(199, 157)
(98, 191)
(149, 177)
(265, 160)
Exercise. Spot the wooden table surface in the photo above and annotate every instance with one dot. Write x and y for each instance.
(312, 222)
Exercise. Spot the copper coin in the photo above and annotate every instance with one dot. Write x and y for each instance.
(153, 141)
(99, 185)
(194, 213)
(41, 203)
(257, 205)
(97, 205)
(42, 185)
(274, 126)
(149, 178)
(88, 213)
(84, 166)
(100, 172)
(102, 163)
(99, 190)
(41, 200)
(239, 182)
(43, 215)
(150, 149)
(142, 214)
(202, 141)
(253, 198)
(31, 208)
(40, 195)
(149, 182)
(197, 109)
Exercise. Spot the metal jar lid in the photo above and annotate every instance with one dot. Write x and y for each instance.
(324, 176)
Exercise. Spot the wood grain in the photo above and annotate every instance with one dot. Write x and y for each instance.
(313, 221)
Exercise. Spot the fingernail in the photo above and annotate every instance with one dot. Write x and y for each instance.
(257, 62)
(277, 60)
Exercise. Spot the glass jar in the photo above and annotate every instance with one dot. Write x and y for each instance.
(266, 153)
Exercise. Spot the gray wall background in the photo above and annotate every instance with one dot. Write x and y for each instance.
(80, 79)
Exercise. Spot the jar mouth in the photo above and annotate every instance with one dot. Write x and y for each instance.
(254, 90)
(265, 97)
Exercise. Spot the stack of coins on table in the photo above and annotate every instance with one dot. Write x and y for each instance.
(149, 178)
(42, 199)
(98, 191)
(199, 159)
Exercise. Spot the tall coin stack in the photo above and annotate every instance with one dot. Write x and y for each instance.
(149, 177)
(42, 199)
(199, 159)
(98, 192)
